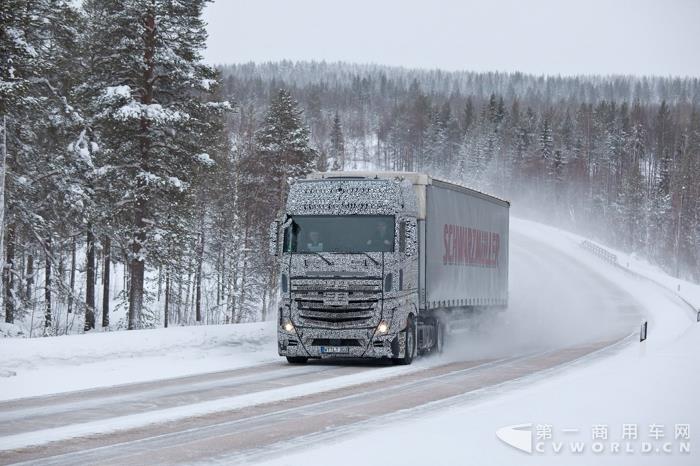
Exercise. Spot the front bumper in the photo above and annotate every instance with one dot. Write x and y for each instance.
(324, 343)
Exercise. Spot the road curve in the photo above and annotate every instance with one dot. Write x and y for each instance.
(232, 434)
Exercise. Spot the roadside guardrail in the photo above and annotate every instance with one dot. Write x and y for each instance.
(598, 251)
(612, 259)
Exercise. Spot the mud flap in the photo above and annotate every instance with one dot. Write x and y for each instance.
(396, 347)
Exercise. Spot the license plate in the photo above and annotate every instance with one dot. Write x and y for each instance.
(335, 349)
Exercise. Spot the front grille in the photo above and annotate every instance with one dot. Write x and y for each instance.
(337, 303)
(351, 286)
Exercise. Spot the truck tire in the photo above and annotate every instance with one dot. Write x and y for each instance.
(297, 359)
(410, 349)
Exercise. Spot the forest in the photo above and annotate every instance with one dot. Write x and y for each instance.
(139, 183)
(613, 157)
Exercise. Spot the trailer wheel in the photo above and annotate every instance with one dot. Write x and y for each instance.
(410, 348)
(297, 359)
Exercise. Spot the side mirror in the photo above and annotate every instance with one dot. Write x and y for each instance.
(274, 238)
(411, 237)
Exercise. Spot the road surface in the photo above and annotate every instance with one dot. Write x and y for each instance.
(560, 312)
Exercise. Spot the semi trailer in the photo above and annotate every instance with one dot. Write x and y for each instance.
(373, 264)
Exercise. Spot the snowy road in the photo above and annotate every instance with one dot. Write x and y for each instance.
(561, 311)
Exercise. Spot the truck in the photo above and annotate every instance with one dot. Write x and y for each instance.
(374, 264)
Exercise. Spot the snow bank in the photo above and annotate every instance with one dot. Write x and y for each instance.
(41, 366)
(10, 330)
(689, 291)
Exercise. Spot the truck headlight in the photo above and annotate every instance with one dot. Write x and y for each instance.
(383, 327)
(288, 326)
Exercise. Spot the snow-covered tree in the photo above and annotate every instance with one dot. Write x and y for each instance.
(282, 145)
(152, 120)
(337, 146)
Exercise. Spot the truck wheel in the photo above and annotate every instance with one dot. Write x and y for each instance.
(297, 359)
(410, 349)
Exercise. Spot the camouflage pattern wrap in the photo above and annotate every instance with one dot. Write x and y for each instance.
(336, 302)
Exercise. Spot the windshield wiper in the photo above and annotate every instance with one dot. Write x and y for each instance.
(321, 256)
(371, 258)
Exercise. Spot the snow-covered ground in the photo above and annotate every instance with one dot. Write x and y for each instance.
(42, 366)
(652, 383)
(653, 387)
(689, 291)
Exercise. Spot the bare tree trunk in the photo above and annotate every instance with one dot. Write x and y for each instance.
(60, 274)
(219, 279)
(166, 311)
(198, 290)
(3, 165)
(233, 287)
(90, 280)
(227, 294)
(263, 310)
(97, 270)
(179, 291)
(189, 289)
(244, 276)
(140, 209)
(137, 268)
(72, 277)
(272, 292)
(136, 288)
(29, 277)
(198, 295)
(47, 288)
(223, 275)
(8, 274)
(126, 285)
(160, 281)
(20, 269)
(107, 251)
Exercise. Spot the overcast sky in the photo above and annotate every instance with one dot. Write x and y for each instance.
(659, 37)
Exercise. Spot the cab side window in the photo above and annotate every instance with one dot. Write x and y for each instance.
(402, 236)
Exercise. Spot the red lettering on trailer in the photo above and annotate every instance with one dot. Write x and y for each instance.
(469, 246)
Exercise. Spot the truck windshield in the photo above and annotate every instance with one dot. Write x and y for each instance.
(340, 233)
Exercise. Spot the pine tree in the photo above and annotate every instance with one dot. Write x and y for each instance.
(282, 145)
(693, 192)
(152, 119)
(436, 153)
(19, 64)
(493, 110)
(546, 141)
(337, 148)
(467, 115)
(43, 192)
(632, 191)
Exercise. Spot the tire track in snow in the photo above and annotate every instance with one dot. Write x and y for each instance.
(231, 434)
(227, 435)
